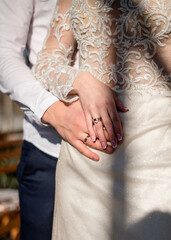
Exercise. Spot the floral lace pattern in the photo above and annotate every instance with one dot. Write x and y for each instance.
(54, 63)
(121, 43)
(134, 30)
(141, 30)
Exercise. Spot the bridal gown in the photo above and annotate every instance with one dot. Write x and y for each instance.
(125, 44)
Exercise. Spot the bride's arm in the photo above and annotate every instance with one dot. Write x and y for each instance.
(54, 71)
(53, 68)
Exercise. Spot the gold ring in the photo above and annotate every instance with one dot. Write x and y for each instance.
(85, 139)
(96, 120)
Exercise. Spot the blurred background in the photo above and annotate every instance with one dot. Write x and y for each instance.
(11, 119)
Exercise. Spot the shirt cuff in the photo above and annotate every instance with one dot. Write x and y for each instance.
(45, 100)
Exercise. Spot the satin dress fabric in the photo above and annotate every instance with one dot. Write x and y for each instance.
(126, 195)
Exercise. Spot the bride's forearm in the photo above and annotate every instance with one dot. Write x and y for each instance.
(83, 80)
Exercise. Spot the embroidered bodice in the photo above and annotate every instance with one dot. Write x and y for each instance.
(124, 44)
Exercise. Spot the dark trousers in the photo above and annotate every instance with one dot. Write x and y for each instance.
(36, 176)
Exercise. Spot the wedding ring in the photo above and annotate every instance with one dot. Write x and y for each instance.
(96, 120)
(85, 139)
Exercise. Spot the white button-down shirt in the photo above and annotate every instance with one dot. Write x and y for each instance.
(25, 22)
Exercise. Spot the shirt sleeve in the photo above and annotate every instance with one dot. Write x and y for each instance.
(54, 63)
(16, 79)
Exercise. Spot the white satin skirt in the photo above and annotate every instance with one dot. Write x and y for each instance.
(126, 195)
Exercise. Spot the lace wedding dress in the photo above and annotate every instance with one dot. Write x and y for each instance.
(125, 44)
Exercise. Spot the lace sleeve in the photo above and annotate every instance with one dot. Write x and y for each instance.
(54, 63)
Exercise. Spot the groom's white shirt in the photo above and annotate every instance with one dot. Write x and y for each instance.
(25, 22)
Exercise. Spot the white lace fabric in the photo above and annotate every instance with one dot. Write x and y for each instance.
(54, 63)
(124, 44)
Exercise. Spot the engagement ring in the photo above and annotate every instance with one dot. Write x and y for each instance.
(96, 120)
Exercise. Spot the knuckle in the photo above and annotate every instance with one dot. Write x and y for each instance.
(108, 102)
(100, 104)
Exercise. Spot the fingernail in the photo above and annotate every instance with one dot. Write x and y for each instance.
(96, 158)
(125, 108)
(93, 138)
(104, 146)
(119, 137)
(114, 144)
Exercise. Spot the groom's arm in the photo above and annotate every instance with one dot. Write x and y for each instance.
(17, 80)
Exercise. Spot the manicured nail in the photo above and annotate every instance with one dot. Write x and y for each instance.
(114, 144)
(119, 137)
(104, 146)
(93, 138)
(125, 108)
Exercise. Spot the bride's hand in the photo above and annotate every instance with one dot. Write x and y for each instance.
(100, 103)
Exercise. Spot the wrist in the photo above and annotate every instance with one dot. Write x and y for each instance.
(81, 78)
(50, 115)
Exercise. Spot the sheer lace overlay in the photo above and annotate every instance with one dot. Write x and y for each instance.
(124, 44)
(54, 64)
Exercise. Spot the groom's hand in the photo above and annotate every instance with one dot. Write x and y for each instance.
(69, 121)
